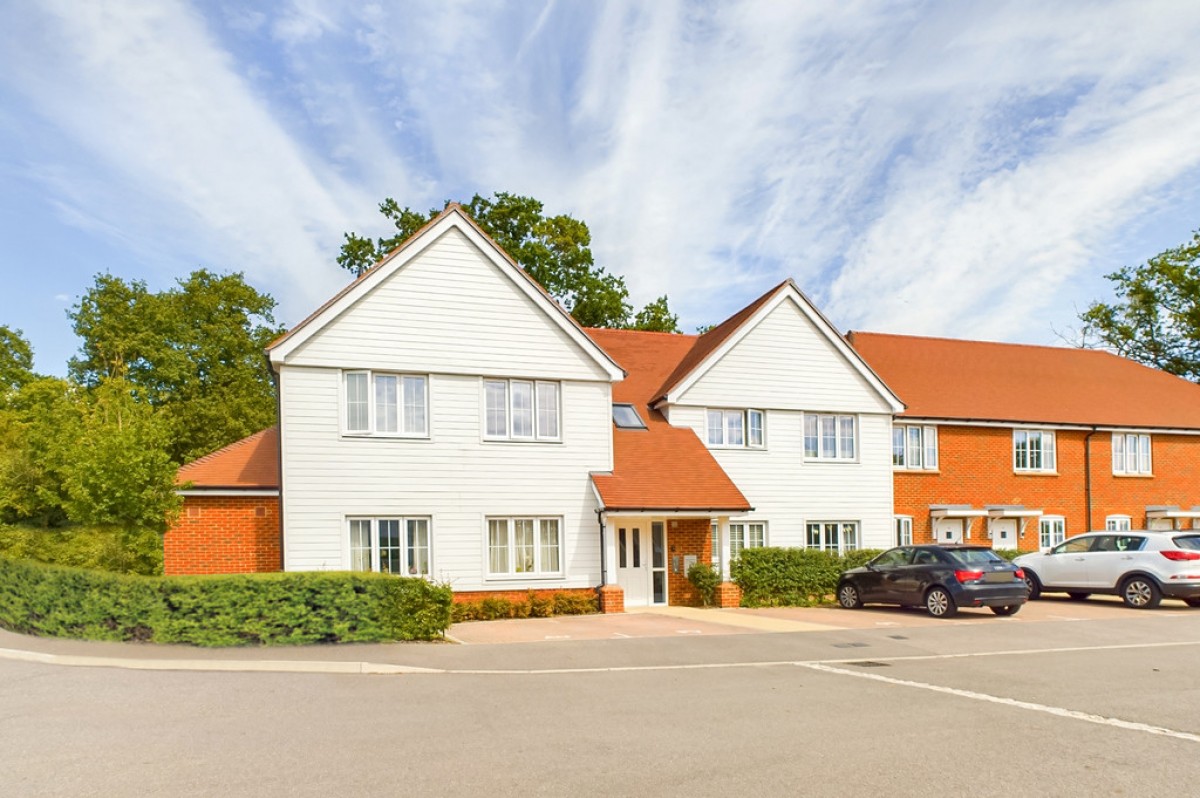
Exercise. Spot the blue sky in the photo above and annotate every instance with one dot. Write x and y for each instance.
(969, 170)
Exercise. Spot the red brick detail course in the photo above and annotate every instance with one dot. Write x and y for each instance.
(224, 535)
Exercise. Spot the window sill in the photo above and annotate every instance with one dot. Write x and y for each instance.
(511, 578)
(828, 461)
(523, 441)
(1133, 476)
(1032, 473)
(903, 470)
(369, 436)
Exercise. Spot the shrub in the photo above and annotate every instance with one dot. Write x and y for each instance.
(97, 548)
(1010, 554)
(705, 579)
(264, 609)
(775, 577)
(534, 605)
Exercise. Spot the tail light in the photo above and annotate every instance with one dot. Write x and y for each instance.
(964, 576)
(1019, 573)
(1178, 555)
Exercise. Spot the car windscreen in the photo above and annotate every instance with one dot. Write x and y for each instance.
(1188, 541)
(976, 556)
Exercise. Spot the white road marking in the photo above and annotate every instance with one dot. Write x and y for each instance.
(1073, 714)
(621, 634)
(688, 631)
(558, 637)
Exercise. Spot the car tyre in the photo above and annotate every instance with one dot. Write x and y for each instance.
(1033, 588)
(1011, 609)
(1192, 602)
(1141, 593)
(1078, 596)
(848, 596)
(940, 604)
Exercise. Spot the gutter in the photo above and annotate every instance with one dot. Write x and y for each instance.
(1087, 475)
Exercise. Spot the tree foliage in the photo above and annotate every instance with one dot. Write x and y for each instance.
(38, 431)
(1156, 318)
(553, 250)
(195, 352)
(16, 361)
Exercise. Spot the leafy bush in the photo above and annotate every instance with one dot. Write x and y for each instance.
(264, 609)
(1010, 554)
(534, 605)
(102, 549)
(705, 579)
(775, 577)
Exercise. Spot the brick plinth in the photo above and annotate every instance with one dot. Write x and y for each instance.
(224, 535)
(729, 595)
(612, 598)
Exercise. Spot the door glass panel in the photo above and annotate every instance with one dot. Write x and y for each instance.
(637, 548)
(660, 587)
(621, 544)
(658, 544)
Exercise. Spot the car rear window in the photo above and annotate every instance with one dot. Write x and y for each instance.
(1188, 541)
(976, 556)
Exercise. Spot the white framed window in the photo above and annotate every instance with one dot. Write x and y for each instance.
(835, 536)
(1052, 530)
(524, 547)
(736, 428)
(1118, 523)
(390, 545)
(830, 437)
(385, 405)
(744, 535)
(715, 530)
(1033, 450)
(1131, 453)
(521, 410)
(626, 416)
(915, 447)
(904, 530)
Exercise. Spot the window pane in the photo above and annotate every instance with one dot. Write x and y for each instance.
(898, 446)
(637, 548)
(418, 547)
(914, 447)
(549, 544)
(357, 403)
(716, 428)
(547, 410)
(496, 393)
(813, 535)
(1131, 453)
(523, 545)
(1048, 458)
(828, 436)
(1118, 453)
(522, 409)
(716, 543)
(810, 436)
(757, 536)
(390, 553)
(846, 439)
(622, 545)
(1035, 449)
(849, 537)
(1020, 450)
(737, 540)
(832, 541)
(1144, 464)
(626, 417)
(658, 550)
(360, 545)
(414, 405)
(755, 418)
(735, 434)
(931, 458)
(498, 545)
(385, 403)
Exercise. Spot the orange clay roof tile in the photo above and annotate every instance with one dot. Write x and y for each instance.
(943, 378)
(251, 463)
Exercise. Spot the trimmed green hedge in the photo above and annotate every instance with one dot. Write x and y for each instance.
(532, 606)
(774, 577)
(259, 609)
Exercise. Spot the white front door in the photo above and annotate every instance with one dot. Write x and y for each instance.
(642, 562)
(1004, 533)
(948, 530)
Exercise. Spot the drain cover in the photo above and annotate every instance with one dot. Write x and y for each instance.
(870, 663)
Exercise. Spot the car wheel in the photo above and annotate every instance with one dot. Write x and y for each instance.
(1193, 602)
(1078, 596)
(940, 604)
(1012, 609)
(1033, 588)
(1141, 593)
(848, 596)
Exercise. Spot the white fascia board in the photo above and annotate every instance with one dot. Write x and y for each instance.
(228, 492)
(789, 292)
(960, 422)
(955, 512)
(454, 219)
(1002, 513)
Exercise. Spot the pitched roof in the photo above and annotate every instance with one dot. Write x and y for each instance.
(661, 467)
(251, 463)
(943, 378)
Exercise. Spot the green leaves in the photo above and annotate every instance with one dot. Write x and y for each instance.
(776, 577)
(16, 362)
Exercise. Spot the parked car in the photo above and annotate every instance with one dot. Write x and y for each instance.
(1141, 566)
(939, 578)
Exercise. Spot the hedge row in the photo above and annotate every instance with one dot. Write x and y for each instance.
(773, 577)
(259, 609)
(533, 606)
(99, 548)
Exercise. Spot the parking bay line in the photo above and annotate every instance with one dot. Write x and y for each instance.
(1072, 714)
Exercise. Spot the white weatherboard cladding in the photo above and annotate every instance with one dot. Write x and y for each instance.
(454, 478)
(785, 362)
(452, 310)
(787, 492)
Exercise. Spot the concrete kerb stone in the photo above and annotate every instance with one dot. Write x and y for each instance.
(249, 665)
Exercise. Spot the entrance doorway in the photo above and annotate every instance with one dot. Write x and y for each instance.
(1004, 533)
(642, 562)
(948, 530)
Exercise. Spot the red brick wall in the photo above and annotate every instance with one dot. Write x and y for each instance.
(224, 535)
(686, 536)
(976, 469)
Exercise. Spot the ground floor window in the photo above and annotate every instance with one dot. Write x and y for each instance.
(903, 530)
(524, 546)
(390, 545)
(746, 536)
(1118, 523)
(837, 536)
(1053, 530)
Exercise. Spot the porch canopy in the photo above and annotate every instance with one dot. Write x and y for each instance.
(1017, 511)
(1172, 513)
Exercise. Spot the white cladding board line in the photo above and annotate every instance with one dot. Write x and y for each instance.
(450, 309)
(454, 478)
(787, 492)
(785, 362)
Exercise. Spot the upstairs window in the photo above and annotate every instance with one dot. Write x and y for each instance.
(828, 437)
(521, 410)
(734, 428)
(627, 417)
(1033, 450)
(1130, 453)
(915, 447)
(385, 405)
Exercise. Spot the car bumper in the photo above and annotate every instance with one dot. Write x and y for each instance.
(991, 595)
(1181, 590)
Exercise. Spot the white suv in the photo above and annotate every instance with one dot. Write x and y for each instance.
(1139, 566)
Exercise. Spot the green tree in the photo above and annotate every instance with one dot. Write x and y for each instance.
(119, 473)
(656, 317)
(38, 434)
(194, 351)
(1156, 318)
(553, 250)
(16, 361)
